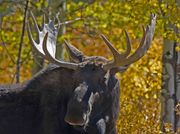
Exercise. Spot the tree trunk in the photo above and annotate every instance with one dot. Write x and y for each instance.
(168, 100)
(62, 31)
(177, 83)
(170, 95)
(177, 109)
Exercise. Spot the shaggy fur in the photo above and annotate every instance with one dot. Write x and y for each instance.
(39, 105)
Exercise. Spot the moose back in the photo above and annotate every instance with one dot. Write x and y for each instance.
(76, 97)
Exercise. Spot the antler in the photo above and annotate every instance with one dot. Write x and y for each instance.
(75, 55)
(46, 45)
(41, 34)
(124, 59)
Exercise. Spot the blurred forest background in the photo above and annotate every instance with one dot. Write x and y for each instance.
(85, 20)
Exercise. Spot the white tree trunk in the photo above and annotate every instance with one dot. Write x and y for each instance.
(178, 82)
(178, 91)
(168, 86)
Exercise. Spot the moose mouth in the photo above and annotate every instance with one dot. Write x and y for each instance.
(74, 121)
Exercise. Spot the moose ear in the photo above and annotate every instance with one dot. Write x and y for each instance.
(75, 55)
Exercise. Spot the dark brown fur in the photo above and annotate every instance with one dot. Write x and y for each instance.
(40, 105)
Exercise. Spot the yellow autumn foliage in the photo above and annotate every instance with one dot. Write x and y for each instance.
(140, 83)
(140, 91)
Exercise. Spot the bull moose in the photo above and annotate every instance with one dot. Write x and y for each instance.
(76, 97)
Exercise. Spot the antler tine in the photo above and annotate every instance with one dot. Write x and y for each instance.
(141, 50)
(143, 38)
(115, 53)
(113, 50)
(145, 42)
(55, 61)
(33, 43)
(30, 35)
(35, 22)
(75, 54)
(128, 42)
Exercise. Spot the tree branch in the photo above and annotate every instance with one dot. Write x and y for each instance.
(18, 63)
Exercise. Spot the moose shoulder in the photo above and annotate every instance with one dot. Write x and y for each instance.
(76, 97)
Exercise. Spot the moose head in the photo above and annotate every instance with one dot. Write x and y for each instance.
(93, 104)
